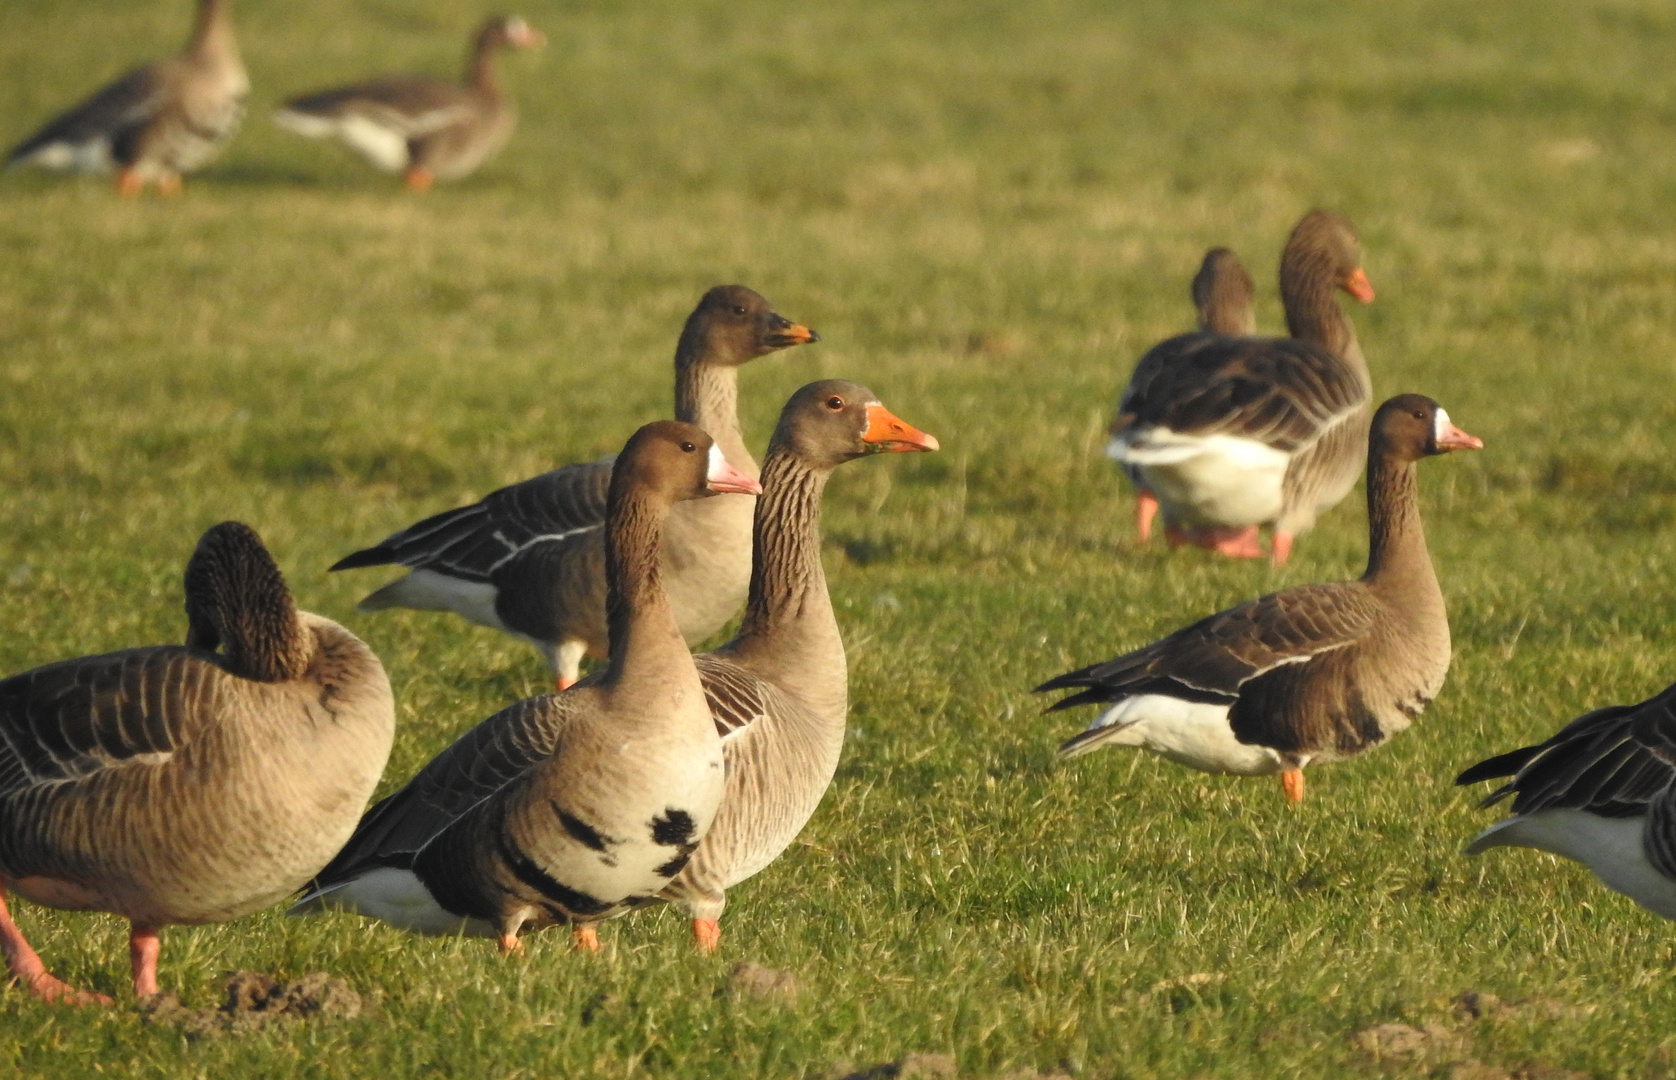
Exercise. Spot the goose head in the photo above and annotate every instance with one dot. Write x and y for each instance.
(1224, 294)
(1324, 248)
(510, 32)
(733, 325)
(1409, 427)
(237, 602)
(675, 462)
(835, 420)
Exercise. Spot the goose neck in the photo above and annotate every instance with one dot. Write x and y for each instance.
(480, 70)
(707, 394)
(1307, 283)
(212, 33)
(1397, 552)
(638, 618)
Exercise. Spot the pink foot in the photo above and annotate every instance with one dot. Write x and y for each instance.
(707, 934)
(1146, 508)
(509, 944)
(28, 971)
(1282, 548)
(1234, 543)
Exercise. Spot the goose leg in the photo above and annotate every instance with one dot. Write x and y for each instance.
(27, 969)
(169, 185)
(1236, 543)
(1282, 548)
(508, 943)
(1146, 508)
(707, 933)
(129, 183)
(143, 947)
(584, 938)
(418, 178)
(1292, 783)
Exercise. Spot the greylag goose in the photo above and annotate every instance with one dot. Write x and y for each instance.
(779, 690)
(1308, 675)
(1230, 434)
(1225, 297)
(570, 807)
(1602, 792)
(182, 784)
(156, 122)
(529, 559)
(425, 128)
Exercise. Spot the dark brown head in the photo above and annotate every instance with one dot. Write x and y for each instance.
(1324, 247)
(236, 601)
(508, 32)
(733, 325)
(673, 461)
(833, 421)
(1412, 426)
(1225, 295)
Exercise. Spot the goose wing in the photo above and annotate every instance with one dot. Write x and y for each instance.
(409, 105)
(114, 113)
(737, 699)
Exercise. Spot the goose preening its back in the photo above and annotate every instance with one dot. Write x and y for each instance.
(1307, 675)
(1602, 792)
(779, 690)
(423, 127)
(569, 807)
(157, 122)
(529, 559)
(188, 784)
(1233, 433)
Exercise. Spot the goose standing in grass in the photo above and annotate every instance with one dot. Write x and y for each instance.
(529, 559)
(188, 784)
(157, 122)
(1308, 675)
(425, 128)
(779, 690)
(1226, 298)
(1601, 792)
(1233, 433)
(570, 807)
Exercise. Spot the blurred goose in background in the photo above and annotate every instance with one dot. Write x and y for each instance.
(1233, 433)
(529, 559)
(1226, 299)
(425, 128)
(188, 784)
(1308, 675)
(157, 122)
(1601, 792)
(779, 690)
(574, 807)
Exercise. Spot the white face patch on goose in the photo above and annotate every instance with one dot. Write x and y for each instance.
(1440, 424)
(718, 464)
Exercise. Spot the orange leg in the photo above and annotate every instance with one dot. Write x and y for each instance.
(509, 943)
(418, 179)
(1240, 543)
(707, 933)
(584, 938)
(129, 183)
(1146, 508)
(27, 969)
(1292, 783)
(143, 947)
(169, 185)
(1282, 548)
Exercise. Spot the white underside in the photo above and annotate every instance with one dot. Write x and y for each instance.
(427, 590)
(1206, 480)
(1189, 733)
(383, 146)
(399, 898)
(93, 156)
(1611, 847)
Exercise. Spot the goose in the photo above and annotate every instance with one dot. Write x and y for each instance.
(1225, 297)
(1230, 434)
(188, 784)
(1601, 792)
(1311, 674)
(566, 808)
(423, 127)
(529, 559)
(157, 122)
(779, 689)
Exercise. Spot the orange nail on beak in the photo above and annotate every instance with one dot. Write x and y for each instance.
(1358, 285)
(1453, 438)
(891, 435)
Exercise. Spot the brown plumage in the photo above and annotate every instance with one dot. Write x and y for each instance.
(1311, 674)
(530, 559)
(180, 784)
(157, 122)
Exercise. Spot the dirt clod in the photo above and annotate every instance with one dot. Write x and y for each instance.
(758, 981)
(908, 1067)
(1404, 1041)
(256, 1001)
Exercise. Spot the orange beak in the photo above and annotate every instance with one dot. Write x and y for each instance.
(1453, 438)
(783, 333)
(1358, 285)
(890, 435)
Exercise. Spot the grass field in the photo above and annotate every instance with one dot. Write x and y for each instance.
(987, 210)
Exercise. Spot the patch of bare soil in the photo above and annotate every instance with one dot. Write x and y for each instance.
(256, 1001)
(929, 1067)
(749, 980)
(1445, 1047)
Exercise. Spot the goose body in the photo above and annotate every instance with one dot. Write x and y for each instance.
(1307, 675)
(181, 784)
(529, 559)
(157, 122)
(1233, 433)
(1601, 792)
(573, 807)
(425, 128)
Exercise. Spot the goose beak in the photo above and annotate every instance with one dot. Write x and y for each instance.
(1453, 438)
(1358, 285)
(528, 37)
(783, 333)
(724, 478)
(888, 434)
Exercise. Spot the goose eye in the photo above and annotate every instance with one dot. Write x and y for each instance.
(739, 309)
(835, 403)
(687, 448)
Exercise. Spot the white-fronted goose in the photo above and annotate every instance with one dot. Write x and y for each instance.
(1602, 792)
(529, 559)
(181, 784)
(570, 807)
(425, 128)
(1308, 675)
(1226, 300)
(157, 122)
(779, 690)
(1231, 434)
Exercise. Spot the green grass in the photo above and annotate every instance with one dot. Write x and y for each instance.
(988, 210)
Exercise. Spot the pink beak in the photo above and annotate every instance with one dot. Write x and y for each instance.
(1453, 438)
(725, 478)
